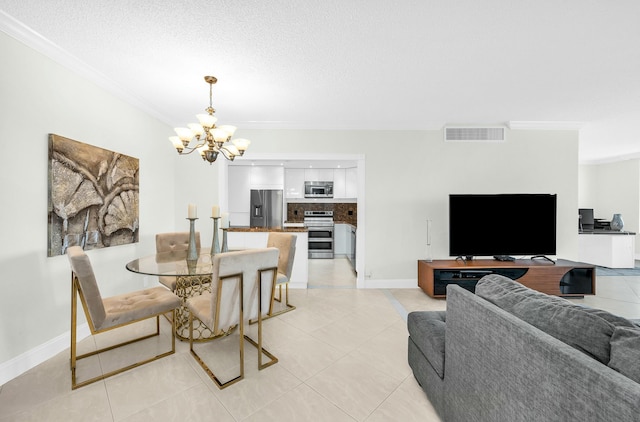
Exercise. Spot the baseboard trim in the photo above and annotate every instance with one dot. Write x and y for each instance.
(34, 357)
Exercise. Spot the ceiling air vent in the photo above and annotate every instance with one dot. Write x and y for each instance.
(474, 134)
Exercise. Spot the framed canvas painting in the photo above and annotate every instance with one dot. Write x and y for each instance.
(93, 196)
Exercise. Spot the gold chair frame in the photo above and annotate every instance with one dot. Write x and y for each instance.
(258, 345)
(288, 307)
(77, 291)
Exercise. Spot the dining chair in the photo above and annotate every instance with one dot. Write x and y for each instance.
(104, 314)
(243, 283)
(286, 244)
(169, 242)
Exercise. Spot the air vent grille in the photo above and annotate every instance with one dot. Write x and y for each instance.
(474, 134)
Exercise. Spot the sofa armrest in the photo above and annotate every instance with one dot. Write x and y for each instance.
(427, 330)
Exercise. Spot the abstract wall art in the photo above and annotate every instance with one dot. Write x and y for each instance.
(93, 196)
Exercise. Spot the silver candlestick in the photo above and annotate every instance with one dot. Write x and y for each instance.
(225, 246)
(192, 251)
(215, 246)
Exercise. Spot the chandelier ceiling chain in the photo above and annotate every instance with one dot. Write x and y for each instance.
(209, 139)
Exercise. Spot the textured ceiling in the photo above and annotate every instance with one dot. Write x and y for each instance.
(364, 64)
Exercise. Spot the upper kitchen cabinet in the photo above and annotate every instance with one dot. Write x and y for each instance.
(351, 183)
(267, 177)
(345, 183)
(339, 183)
(294, 183)
(318, 175)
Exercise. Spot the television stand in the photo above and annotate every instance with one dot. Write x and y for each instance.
(504, 258)
(562, 278)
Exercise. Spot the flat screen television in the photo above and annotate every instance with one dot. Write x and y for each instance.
(502, 225)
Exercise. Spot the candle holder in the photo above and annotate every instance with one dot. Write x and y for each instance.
(215, 246)
(192, 251)
(225, 246)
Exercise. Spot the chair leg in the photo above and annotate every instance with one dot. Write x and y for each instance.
(287, 308)
(272, 359)
(75, 357)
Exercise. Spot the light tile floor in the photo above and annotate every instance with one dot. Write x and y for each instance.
(342, 357)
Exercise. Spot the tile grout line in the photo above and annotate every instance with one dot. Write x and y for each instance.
(396, 305)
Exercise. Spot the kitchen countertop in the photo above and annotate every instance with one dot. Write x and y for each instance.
(267, 229)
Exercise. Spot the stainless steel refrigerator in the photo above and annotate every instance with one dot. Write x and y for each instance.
(266, 208)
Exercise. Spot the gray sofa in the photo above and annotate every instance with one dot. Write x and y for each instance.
(480, 360)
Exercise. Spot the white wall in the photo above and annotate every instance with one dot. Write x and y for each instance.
(408, 177)
(613, 188)
(39, 97)
(410, 174)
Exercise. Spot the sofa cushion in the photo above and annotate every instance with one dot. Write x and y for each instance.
(625, 352)
(586, 329)
(427, 330)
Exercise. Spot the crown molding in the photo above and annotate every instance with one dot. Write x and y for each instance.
(16, 29)
(544, 125)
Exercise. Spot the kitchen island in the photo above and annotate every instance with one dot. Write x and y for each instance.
(256, 237)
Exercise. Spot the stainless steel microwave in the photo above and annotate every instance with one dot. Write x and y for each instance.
(318, 189)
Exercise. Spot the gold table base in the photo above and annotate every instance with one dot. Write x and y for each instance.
(188, 286)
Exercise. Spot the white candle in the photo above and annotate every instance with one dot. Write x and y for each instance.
(215, 211)
(193, 211)
(225, 220)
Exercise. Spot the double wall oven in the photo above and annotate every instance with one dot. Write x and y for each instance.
(320, 226)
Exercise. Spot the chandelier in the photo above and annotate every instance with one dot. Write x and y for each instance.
(207, 138)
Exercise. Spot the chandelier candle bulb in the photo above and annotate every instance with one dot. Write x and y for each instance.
(193, 211)
(215, 211)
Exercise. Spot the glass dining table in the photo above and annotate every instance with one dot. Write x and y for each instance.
(193, 277)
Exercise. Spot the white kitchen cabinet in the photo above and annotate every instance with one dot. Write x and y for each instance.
(351, 183)
(267, 177)
(339, 183)
(345, 183)
(341, 239)
(294, 183)
(318, 175)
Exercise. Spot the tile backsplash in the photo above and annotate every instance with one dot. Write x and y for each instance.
(342, 212)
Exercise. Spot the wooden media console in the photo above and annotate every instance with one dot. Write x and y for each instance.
(562, 278)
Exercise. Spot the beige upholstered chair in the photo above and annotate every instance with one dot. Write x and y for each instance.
(286, 244)
(168, 242)
(112, 312)
(242, 287)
